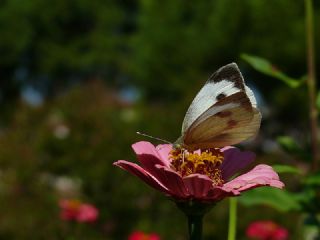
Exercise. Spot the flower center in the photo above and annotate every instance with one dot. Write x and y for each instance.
(205, 162)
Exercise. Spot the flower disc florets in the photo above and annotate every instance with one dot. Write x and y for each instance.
(205, 162)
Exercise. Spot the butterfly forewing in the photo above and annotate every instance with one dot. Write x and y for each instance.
(223, 83)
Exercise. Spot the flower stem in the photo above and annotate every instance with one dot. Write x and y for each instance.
(194, 210)
(232, 219)
(195, 227)
(311, 82)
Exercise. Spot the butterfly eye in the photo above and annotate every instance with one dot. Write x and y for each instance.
(221, 96)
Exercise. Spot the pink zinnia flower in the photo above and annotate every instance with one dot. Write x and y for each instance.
(202, 175)
(78, 211)
(266, 230)
(137, 235)
(69, 209)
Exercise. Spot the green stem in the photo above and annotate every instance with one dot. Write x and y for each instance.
(194, 210)
(232, 219)
(195, 227)
(311, 82)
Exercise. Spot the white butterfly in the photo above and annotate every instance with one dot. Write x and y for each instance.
(223, 113)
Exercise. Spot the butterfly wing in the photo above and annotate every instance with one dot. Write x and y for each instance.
(224, 82)
(223, 113)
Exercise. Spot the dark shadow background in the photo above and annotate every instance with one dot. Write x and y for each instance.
(78, 78)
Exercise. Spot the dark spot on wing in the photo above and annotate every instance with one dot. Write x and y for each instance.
(221, 96)
(224, 114)
(232, 123)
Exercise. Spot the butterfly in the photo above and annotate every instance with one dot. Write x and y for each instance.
(223, 113)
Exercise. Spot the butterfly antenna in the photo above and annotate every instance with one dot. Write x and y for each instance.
(149, 136)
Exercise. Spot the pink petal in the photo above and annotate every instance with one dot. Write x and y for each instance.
(261, 175)
(172, 181)
(163, 151)
(218, 193)
(148, 156)
(234, 161)
(198, 185)
(276, 184)
(138, 171)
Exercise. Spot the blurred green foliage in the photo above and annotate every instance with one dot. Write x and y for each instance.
(79, 136)
(149, 43)
(80, 55)
(305, 198)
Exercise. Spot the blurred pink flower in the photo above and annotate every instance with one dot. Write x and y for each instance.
(87, 213)
(137, 235)
(266, 230)
(69, 209)
(204, 175)
(78, 211)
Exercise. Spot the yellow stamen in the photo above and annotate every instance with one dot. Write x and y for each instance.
(206, 162)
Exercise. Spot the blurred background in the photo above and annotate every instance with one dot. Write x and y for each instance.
(78, 78)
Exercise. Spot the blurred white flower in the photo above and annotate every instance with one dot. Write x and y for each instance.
(66, 186)
(61, 131)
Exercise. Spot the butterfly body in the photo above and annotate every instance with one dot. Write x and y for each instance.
(223, 113)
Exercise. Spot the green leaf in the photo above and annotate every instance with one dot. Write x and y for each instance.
(264, 66)
(278, 199)
(286, 169)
